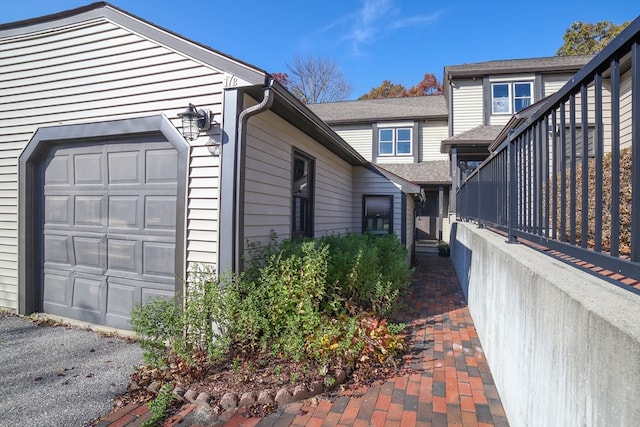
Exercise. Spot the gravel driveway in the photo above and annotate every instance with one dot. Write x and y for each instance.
(60, 376)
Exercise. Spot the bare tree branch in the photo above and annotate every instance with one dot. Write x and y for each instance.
(314, 80)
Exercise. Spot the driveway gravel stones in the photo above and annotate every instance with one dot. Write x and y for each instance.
(59, 375)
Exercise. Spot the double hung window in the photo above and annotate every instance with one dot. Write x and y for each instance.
(394, 142)
(510, 97)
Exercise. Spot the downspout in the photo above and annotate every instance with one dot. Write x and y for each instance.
(243, 118)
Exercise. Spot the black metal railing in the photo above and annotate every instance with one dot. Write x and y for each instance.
(568, 178)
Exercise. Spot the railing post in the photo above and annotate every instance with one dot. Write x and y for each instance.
(479, 173)
(511, 189)
(635, 150)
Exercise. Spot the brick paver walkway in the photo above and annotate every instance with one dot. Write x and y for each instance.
(449, 384)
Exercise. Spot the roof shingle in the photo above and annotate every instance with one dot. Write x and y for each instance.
(372, 110)
(428, 172)
(508, 66)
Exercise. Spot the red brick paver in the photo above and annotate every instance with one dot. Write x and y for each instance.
(449, 383)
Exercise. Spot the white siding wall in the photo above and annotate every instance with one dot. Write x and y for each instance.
(371, 183)
(98, 71)
(270, 143)
(467, 105)
(359, 137)
(433, 132)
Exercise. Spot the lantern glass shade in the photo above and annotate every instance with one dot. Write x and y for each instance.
(190, 128)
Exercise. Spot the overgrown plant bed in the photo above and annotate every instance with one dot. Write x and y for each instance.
(302, 313)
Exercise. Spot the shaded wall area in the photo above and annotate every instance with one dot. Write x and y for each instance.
(563, 346)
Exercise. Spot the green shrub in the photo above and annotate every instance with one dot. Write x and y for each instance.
(295, 299)
(159, 406)
(367, 270)
(158, 324)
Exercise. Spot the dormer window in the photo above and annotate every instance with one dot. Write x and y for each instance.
(394, 142)
(510, 97)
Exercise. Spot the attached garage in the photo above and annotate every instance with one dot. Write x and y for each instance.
(103, 218)
(114, 205)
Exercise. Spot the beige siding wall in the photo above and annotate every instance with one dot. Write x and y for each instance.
(553, 83)
(270, 144)
(366, 182)
(359, 137)
(446, 227)
(625, 110)
(433, 132)
(467, 105)
(97, 71)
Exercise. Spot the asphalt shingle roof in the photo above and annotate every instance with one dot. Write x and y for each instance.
(429, 172)
(482, 133)
(373, 110)
(508, 66)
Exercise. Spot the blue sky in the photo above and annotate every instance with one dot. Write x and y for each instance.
(371, 40)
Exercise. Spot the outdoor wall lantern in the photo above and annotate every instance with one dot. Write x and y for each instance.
(195, 120)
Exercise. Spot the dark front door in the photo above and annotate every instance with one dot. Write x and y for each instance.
(427, 218)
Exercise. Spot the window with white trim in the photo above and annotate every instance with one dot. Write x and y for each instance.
(395, 142)
(510, 97)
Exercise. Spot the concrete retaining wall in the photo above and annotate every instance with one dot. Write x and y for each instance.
(563, 346)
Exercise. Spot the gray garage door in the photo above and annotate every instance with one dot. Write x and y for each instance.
(109, 227)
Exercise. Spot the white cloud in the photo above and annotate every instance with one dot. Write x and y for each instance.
(375, 19)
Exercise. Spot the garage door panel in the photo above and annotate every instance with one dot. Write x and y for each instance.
(89, 252)
(124, 212)
(88, 169)
(57, 249)
(89, 210)
(123, 255)
(89, 293)
(150, 293)
(159, 166)
(160, 212)
(124, 167)
(122, 298)
(158, 259)
(57, 210)
(56, 287)
(57, 171)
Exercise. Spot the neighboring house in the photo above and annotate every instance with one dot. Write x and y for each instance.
(483, 98)
(401, 136)
(104, 203)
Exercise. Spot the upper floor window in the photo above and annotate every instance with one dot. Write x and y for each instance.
(510, 97)
(394, 142)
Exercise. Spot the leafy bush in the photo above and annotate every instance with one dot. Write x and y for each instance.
(310, 298)
(159, 326)
(159, 406)
(368, 271)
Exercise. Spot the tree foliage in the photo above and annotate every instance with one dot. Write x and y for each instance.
(583, 38)
(428, 86)
(315, 79)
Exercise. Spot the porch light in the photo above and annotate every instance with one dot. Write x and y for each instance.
(195, 120)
